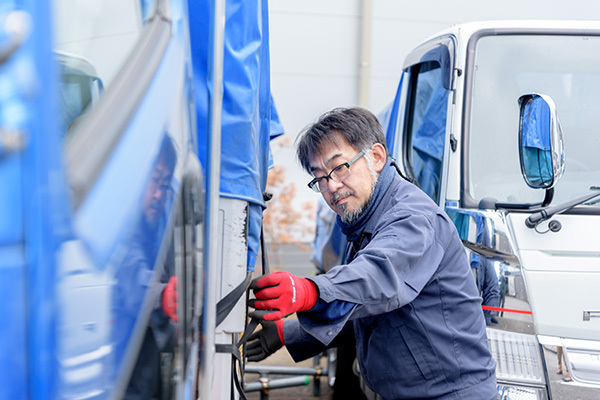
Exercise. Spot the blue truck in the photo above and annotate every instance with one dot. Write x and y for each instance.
(124, 155)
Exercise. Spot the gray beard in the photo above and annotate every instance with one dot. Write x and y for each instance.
(348, 217)
(351, 216)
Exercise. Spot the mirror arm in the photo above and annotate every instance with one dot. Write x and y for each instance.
(548, 197)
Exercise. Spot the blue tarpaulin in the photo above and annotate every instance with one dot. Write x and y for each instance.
(249, 119)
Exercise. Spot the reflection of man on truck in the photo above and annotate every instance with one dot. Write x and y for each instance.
(406, 287)
(488, 283)
(485, 274)
(136, 281)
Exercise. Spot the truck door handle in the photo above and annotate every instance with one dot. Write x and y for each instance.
(590, 314)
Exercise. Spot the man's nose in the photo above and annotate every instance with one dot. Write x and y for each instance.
(333, 185)
(157, 193)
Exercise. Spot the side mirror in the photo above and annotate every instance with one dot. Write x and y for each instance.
(541, 147)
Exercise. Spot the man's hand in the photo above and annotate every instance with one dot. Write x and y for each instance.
(263, 343)
(284, 293)
(169, 299)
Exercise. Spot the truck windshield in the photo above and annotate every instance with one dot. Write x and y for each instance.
(567, 68)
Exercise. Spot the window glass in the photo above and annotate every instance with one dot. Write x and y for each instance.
(92, 40)
(566, 68)
(428, 128)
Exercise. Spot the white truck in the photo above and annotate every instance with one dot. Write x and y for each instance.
(475, 125)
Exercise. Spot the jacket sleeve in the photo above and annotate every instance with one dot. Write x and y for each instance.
(388, 273)
(301, 345)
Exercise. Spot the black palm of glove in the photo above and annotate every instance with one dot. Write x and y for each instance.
(263, 343)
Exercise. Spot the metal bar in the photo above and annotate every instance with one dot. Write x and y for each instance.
(283, 370)
(277, 383)
(215, 75)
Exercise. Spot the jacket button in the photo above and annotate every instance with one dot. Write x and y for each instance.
(329, 333)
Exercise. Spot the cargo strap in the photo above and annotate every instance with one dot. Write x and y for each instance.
(226, 304)
(234, 350)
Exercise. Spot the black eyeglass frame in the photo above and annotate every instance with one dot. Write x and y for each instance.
(314, 184)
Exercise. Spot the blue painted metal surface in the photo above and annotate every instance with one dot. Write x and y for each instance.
(76, 283)
(26, 206)
(66, 332)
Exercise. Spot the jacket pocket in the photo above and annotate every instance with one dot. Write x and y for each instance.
(418, 353)
(397, 358)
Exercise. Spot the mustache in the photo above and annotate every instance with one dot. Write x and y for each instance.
(338, 195)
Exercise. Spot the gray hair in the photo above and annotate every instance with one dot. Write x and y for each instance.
(358, 126)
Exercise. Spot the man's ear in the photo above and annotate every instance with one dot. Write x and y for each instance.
(379, 156)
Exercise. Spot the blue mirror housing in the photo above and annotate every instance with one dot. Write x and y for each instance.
(541, 146)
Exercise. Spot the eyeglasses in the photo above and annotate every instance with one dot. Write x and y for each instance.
(338, 174)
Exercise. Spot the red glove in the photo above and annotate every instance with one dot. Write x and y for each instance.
(169, 299)
(283, 292)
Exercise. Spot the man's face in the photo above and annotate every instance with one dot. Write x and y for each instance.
(349, 197)
(157, 192)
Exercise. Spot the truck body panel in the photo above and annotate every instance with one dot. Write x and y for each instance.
(105, 168)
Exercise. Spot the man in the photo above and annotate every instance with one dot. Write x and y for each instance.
(405, 286)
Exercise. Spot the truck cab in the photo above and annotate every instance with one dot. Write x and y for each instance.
(458, 129)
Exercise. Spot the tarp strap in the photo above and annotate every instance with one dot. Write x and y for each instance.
(234, 350)
(226, 304)
(224, 307)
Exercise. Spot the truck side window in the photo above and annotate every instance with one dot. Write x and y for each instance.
(427, 127)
